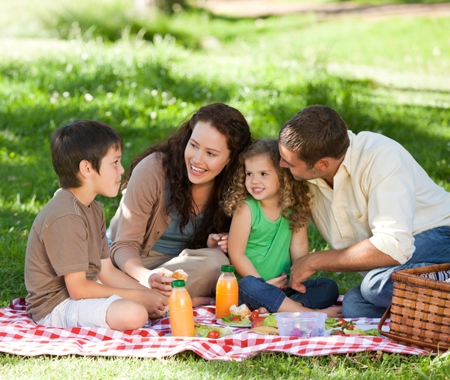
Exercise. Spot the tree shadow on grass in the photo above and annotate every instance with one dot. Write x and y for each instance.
(126, 103)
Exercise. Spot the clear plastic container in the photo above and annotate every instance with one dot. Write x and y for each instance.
(181, 313)
(227, 291)
(301, 324)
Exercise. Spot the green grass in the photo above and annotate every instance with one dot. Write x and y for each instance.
(387, 76)
(263, 366)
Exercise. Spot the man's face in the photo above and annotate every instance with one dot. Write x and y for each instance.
(300, 170)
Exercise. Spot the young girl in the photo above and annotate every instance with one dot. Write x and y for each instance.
(268, 232)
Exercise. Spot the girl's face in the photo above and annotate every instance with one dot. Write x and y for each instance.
(261, 178)
(206, 154)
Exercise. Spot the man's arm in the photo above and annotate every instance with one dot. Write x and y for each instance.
(361, 256)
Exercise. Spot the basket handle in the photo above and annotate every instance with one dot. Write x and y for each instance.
(382, 320)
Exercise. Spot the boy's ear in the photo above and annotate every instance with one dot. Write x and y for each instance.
(85, 168)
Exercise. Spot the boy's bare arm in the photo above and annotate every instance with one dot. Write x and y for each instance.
(110, 275)
(79, 287)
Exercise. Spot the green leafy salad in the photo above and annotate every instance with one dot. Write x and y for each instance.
(341, 326)
(236, 320)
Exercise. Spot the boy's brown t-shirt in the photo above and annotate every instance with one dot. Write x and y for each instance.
(66, 237)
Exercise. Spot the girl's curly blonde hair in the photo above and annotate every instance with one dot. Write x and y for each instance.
(294, 197)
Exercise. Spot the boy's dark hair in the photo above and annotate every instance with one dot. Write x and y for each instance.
(81, 140)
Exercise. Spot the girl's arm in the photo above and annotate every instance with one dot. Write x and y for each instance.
(237, 241)
(299, 244)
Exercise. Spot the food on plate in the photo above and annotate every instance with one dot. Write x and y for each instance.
(236, 321)
(266, 330)
(241, 311)
(355, 331)
(254, 314)
(359, 331)
(341, 326)
(211, 331)
(270, 320)
(258, 321)
(240, 316)
(331, 323)
(213, 334)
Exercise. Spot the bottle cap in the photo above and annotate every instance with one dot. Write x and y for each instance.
(178, 284)
(228, 268)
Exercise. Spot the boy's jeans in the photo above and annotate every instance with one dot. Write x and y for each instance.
(374, 295)
(256, 293)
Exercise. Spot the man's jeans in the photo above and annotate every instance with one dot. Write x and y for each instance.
(374, 295)
(256, 293)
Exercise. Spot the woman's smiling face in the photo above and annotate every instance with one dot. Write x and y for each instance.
(206, 154)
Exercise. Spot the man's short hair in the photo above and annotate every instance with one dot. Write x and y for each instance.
(81, 140)
(314, 133)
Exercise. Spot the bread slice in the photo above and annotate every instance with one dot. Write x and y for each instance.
(242, 310)
(180, 274)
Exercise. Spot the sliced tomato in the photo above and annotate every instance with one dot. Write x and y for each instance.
(342, 322)
(235, 319)
(213, 334)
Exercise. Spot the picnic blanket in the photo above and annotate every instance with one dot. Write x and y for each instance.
(19, 335)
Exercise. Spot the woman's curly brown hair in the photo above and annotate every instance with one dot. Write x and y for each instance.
(294, 196)
(230, 123)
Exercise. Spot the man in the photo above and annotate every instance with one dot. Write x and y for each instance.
(372, 202)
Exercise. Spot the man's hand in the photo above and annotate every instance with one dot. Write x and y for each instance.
(219, 241)
(362, 256)
(301, 271)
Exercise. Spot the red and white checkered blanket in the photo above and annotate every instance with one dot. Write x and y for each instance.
(19, 335)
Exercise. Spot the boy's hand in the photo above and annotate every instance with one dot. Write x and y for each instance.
(219, 241)
(160, 284)
(155, 303)
(280, 282)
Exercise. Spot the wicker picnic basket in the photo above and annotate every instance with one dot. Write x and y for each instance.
(420, 309)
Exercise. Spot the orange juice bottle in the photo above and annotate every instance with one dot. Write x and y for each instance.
(180, 310)
(227, 292)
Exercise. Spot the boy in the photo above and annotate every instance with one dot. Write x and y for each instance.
(69, 276)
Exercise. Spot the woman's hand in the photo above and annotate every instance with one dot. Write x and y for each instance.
(280, 282)
(219, 241)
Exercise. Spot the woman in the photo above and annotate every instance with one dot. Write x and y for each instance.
(169, 211)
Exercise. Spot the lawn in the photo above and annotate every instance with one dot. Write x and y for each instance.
(145, 73)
